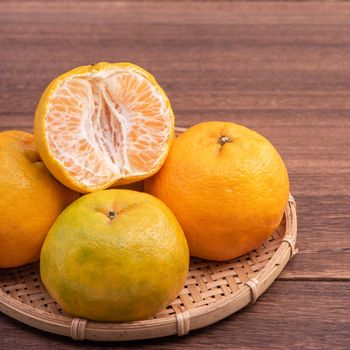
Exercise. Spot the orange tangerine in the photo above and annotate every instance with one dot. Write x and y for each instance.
(102, 125)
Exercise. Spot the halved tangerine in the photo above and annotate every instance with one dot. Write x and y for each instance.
(102, 125)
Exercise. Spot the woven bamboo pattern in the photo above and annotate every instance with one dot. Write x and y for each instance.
(213, 290)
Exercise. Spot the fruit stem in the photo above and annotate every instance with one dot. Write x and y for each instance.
(112, 214)
(224, 139)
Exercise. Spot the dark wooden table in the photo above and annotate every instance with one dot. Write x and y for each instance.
(282, 69)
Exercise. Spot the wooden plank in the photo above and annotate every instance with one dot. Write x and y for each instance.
(290, 315)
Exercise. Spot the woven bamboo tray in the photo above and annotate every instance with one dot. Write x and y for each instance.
(213, 290)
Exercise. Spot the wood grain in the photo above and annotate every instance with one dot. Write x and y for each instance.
(279, 68)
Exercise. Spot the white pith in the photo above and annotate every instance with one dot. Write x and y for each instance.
(116, 104)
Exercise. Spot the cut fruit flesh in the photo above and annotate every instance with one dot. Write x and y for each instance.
(107, 125)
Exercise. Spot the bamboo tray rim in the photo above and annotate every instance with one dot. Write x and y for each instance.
(179, 323)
